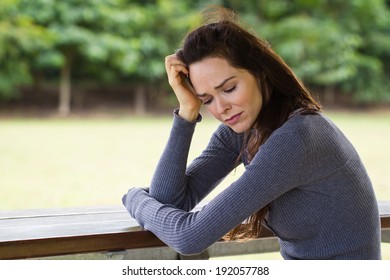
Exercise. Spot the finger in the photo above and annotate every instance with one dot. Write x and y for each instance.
(180, 67)
(174, 75)
(172, 60)
(177, 68)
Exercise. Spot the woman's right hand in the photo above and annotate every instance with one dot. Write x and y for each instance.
(177, 72)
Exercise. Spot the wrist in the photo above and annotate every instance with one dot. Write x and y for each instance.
(188, 115)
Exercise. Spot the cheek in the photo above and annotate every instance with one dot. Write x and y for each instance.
(254, 99)
(213, 111)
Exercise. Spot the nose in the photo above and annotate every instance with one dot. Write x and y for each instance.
(222, 105)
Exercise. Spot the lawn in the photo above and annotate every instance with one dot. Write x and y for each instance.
(53, 162)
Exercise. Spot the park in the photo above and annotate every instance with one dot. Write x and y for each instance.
(85, 108)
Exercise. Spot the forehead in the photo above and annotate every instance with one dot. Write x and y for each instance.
(211, 71)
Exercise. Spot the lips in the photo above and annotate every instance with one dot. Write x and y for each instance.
(234, 119)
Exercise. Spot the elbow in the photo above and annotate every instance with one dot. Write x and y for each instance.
(189, 246)
(189, 251)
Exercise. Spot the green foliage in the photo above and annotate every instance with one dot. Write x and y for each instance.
(86, 29)
(125, 37)
(329, 43)
(19, 37)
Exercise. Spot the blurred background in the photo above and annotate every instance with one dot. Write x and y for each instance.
(85, 108)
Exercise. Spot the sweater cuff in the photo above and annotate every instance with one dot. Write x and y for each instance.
(133, 201)
(177, 116)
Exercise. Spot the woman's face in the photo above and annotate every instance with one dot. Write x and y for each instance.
(230, 94)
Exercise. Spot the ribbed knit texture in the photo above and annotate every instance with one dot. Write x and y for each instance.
(322, 202)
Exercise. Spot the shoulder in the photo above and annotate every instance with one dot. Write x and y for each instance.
(320, 136)
(310, 125)
(312, 132)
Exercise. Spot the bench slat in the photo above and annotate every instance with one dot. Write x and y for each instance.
(52, 232)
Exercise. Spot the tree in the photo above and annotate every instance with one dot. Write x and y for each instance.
(19, 37)
(338, 45)
(122, 39)
(329, 43)
(81, 29)
(159, 36)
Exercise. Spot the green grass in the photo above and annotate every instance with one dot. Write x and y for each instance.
(92, 161)
(77, 162)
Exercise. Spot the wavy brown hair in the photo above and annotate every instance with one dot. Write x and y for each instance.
(282, 92)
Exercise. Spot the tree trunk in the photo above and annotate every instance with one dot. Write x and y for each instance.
(65, 87)
(140, 100)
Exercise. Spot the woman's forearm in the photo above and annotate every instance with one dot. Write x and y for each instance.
(169, 181)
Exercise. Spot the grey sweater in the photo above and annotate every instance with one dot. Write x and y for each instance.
(322, 202)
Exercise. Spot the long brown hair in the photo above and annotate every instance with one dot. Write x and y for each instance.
(282, 92)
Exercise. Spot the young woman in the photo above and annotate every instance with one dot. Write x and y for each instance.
(303, 179)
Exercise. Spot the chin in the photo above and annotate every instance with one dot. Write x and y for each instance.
(239, 128)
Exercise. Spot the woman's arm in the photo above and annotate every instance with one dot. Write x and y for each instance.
(173, 183)
(275, 169)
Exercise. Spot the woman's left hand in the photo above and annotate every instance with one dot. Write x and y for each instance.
(177, 73)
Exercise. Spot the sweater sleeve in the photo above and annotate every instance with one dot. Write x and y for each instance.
(275, 169)
(173, 183)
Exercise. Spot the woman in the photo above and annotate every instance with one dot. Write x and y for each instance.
(303, 179)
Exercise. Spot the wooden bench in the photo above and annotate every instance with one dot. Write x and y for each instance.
(110, 233)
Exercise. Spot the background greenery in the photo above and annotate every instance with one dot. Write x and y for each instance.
(337, 47)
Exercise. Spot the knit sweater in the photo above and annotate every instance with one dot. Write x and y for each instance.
(322, 203)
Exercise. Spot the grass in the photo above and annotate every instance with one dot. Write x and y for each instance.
(72, 162)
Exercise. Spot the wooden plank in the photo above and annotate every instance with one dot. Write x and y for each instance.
(52, 232)
(22, 249)
(47, 225)
(31, 213)
(385, 221)
(70, 221)
(384, 210)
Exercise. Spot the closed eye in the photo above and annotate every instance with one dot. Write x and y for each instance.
(208, 101)
(229, 90)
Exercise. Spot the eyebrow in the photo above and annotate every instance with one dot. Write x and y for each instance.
(218, 86)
